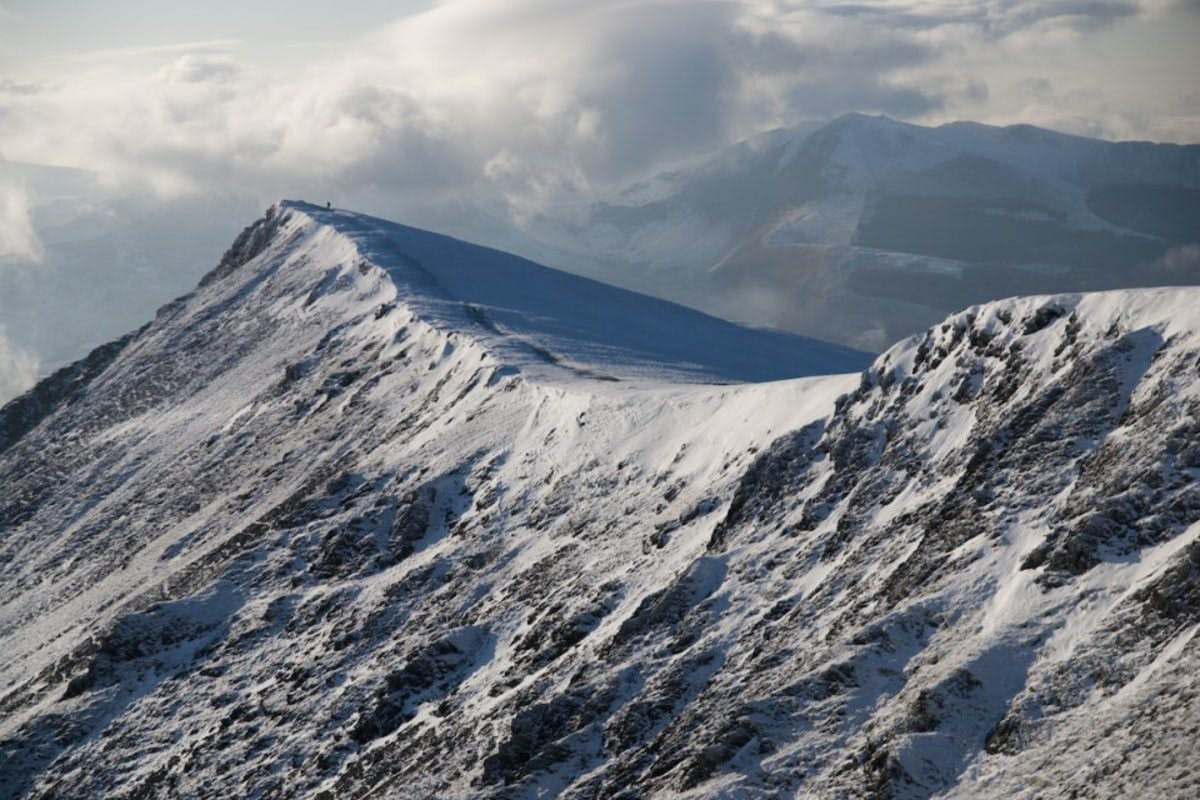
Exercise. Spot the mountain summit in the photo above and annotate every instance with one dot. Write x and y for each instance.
(529, 316)
(376, 513)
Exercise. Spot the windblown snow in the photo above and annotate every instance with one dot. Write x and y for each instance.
(375, 512)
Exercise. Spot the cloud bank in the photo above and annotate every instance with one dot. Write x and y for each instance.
(18, 240)
(518, 101)
(18, 369)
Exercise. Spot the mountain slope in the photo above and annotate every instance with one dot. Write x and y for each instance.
(306, 386)
(319, 531)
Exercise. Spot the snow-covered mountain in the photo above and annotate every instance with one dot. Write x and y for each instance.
(376, 513)
(868, 229)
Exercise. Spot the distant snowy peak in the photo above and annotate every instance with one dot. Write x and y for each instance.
(539, 320)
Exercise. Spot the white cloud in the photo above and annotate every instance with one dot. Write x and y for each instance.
(1183, 261)
(560, 94)
(514, 102)
(18, 369)
(201, 68)
(143, 51)
(18, 241)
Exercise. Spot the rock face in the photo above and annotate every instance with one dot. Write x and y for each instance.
(332, 527)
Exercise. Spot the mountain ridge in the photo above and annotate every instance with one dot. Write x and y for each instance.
(507, 298)
(306, 535)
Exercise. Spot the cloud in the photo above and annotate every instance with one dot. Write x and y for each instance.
(200, 68)
(562, 94)
(1183, 261)
(511, 104)
(16, 87)
(18, 241)
(144, 51)
(18, 369)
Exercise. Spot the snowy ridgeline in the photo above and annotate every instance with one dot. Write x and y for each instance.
(377, 513)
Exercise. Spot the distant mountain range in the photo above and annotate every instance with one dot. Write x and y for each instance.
(867, 230)
(374, 512)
